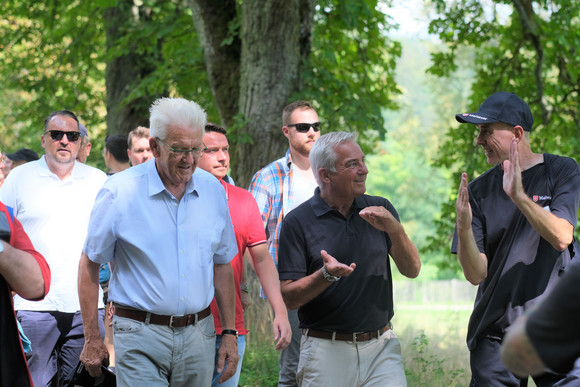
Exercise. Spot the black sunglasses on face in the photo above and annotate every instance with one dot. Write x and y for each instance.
(304, 128)
(57, 135)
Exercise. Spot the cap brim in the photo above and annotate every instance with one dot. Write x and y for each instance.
(474, 118)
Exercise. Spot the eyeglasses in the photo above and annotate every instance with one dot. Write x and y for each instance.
(57, 135)
(304, 128)
(196, 152)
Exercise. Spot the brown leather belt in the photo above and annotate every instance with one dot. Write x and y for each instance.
(356, 337)
(171, 321)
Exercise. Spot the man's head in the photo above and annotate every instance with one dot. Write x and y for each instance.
(301, 126)
(177, 127)
(139, 150)
(215, 157)
(500, 118)
(85, 149)
(115, 150)
(21, 156)
(337, 162)
(61, 137)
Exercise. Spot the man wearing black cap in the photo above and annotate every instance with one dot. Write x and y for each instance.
(12, 160)
(514, 232)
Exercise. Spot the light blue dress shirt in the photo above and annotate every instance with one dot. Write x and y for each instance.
(161, 250)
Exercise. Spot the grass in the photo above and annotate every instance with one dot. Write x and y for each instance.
(432, 338)
(432, 335)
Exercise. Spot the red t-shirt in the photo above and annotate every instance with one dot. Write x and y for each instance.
(249, 230)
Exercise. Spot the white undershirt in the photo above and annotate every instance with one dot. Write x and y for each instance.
(303, 186)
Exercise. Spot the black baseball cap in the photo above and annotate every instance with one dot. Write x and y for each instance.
(23, 154)
(501, 107)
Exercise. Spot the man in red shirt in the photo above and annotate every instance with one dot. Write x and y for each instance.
(250, 235)
(24, 271)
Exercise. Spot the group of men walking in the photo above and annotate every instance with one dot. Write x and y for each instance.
(174, 233)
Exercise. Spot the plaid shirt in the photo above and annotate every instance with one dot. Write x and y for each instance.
(271, 186)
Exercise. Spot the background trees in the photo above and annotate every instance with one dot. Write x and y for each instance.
(243, 61)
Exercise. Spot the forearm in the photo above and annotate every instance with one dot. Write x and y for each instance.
(88, 288)
(22, 272)
(268, 276)
(405, 254)
(557, 231)
(473, 263)
(224, 294)
(300, 292)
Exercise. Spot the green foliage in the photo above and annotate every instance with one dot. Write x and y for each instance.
(350, 72)
(48, 62)
(532, 51)
(260, 365)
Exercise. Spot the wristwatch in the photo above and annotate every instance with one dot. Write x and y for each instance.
(329, 277)
(230, 332)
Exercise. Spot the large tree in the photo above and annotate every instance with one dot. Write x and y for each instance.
(243, 62)
(528, 47)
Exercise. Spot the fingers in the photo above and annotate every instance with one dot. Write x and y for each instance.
(282, 333)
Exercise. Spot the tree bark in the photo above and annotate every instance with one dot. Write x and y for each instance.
(254, 77)
(123, 73)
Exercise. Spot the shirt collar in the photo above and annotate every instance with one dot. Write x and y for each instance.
(156, 184)
(320, 207)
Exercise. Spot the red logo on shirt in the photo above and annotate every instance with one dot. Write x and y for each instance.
(535, 198)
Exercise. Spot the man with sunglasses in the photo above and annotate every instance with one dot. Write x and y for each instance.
(53, 197)
(280, 187)
(165, 227)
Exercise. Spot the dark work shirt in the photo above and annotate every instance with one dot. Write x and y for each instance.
(522, 266)
(362, 301)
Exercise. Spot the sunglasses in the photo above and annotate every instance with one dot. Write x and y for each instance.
(57, 135)
(304, 128)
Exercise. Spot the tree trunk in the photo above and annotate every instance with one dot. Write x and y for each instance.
(123, 74)
(257, 81)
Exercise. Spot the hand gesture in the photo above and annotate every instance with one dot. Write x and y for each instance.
(464, 215)
(512, 172)
(380, 218)
(333, 267)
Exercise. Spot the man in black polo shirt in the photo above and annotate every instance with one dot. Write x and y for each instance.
(515, 226)
(334, 266)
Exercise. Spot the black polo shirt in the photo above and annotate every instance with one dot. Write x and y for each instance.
(360, 302)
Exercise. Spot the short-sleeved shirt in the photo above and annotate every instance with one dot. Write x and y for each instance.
(249, 231)
(271, 186)
(553, 326)
(55, 215)
(359, 302)
(13, 367)
(522, 266)
(162, 250)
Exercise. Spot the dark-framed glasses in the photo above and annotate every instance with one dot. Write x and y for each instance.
(57, 135)
(196, 152)
(304, 127)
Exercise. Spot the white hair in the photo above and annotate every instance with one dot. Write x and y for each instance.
(175, 111)
(323, 153)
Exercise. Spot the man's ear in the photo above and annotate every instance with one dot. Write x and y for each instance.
(324, 175)
(285, 131)
(518, 132)
(154, 145)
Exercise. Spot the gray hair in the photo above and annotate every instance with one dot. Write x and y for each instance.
(323, 153)
(166, 112)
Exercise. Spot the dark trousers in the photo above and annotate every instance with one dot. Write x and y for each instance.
(487, 369)
(290, 355)
(57, 341)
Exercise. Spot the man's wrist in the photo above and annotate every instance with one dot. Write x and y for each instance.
(232, 332)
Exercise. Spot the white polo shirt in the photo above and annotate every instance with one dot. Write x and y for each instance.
(55, 215)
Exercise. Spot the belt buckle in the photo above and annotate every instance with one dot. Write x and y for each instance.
(171, 320)
(355, 336)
